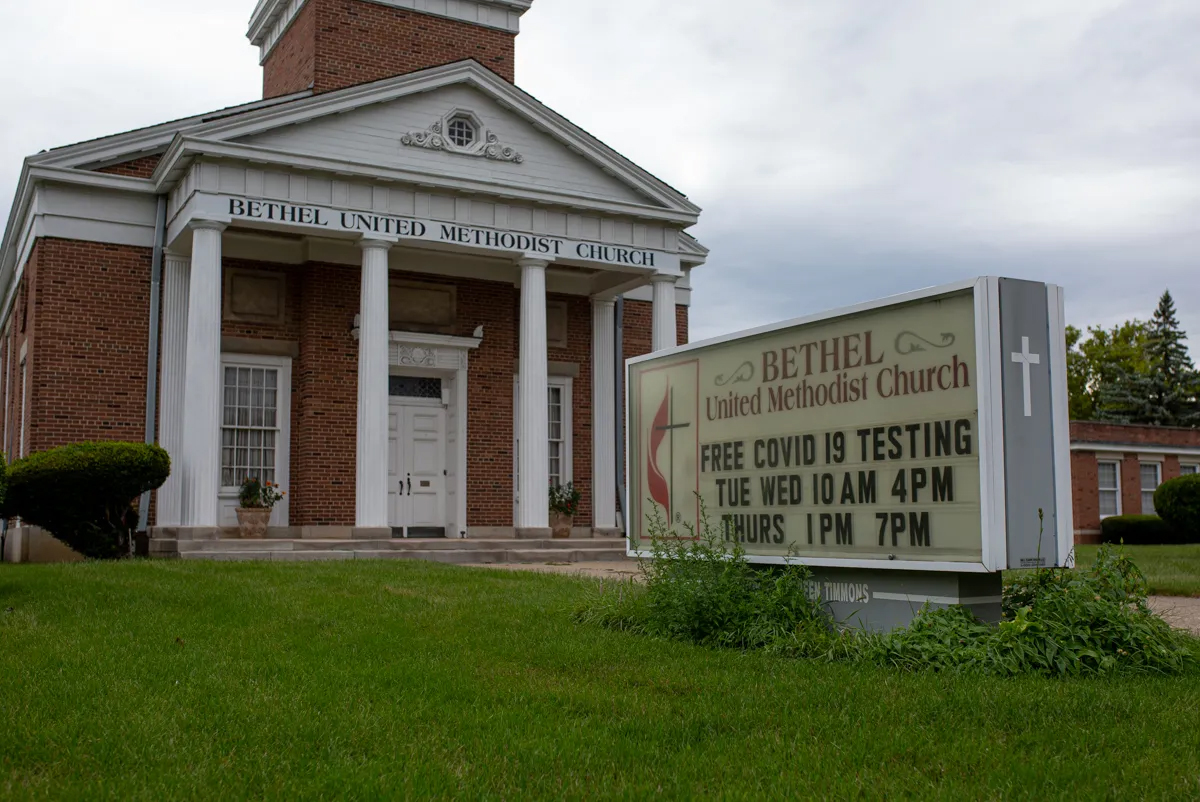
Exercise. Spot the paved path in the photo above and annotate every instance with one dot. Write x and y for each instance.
(1179, 611)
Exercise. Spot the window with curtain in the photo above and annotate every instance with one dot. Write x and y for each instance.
(249, 424)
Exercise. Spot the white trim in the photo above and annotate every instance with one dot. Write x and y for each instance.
(831, 562)
(1195, 468)
(1142, 491)
(1117, 464)
(1143, 450)
(283, 446)
(990, 398)
(1061, 424)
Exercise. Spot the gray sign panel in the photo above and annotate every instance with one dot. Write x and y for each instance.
(884, 600)
(1025, 350)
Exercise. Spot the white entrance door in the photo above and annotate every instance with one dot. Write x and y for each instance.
(417, 469)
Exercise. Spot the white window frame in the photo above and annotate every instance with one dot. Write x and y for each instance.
(1117, 473)
(1183, 466)
(1141, 488)
(283, 445)
(568, 473)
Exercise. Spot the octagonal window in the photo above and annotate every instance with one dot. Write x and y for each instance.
(461, 131)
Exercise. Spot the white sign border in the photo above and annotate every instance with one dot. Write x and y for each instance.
(986, 294)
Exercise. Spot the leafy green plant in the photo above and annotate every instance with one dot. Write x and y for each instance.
(701, 588)
(1178, 503)
(1138, 530)
(564, 499)
(83, 493)
(256, 494)
(1057, 622)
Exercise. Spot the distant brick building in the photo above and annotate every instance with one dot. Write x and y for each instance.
(1115, 469)
(370, 286)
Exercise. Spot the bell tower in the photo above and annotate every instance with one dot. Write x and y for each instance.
(325, 45)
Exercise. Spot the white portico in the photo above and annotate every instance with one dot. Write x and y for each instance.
(244, 210)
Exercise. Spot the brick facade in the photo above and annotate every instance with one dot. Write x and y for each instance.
(142, 167)
(1129, 446)
(333, 44)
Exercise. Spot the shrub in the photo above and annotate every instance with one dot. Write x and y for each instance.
(703, 590)
(83, 493)
(1138, 530)
(1178, 503)
(1057, 622)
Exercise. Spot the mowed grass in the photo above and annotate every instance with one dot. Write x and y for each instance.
(170, 680)
(1169, 570)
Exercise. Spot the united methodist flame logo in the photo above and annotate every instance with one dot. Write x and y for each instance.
(662, 488)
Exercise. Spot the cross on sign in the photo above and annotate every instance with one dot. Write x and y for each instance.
(1026, 359)
(670, 428)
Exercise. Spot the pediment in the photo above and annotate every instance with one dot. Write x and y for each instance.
(411, 133)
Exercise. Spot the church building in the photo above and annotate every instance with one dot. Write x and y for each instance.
(398, 286)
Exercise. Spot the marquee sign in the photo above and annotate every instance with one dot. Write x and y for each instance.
(269, 213)
(923, 432)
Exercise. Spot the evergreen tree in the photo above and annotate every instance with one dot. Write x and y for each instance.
(1165, 395)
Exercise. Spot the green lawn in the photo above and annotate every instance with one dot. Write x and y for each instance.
(170, 680)
(1170, 570)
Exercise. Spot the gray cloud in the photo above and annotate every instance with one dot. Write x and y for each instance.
(842, 151)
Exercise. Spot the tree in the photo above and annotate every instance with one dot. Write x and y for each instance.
(1166, 392)
(1097, 362)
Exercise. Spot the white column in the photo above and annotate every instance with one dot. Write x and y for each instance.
(202, 405)
(171, 386)
(604, 414)
(534, 461)
(372, 467)
(663, 332)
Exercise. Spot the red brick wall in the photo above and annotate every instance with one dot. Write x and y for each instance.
(338, 43)
(681, 324)
(136, 168)
(289, 68)
(1092, 432)
(325, 398)
(1085, 496)
(1131, 485)
(88, 333)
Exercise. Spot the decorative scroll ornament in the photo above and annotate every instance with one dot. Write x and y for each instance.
(434, 138)
(416, 356)
(744, 373)
(908, 342)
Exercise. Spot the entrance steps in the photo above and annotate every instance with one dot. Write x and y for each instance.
(457, 551)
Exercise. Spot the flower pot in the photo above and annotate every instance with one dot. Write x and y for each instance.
(560, 524)
(252, 521)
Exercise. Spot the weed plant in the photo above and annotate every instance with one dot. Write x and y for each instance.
(700, 588)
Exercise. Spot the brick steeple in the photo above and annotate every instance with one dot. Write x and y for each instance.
(331, 44)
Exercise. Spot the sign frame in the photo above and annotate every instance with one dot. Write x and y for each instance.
(989, 397)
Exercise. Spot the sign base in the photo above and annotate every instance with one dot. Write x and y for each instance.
(882, 600)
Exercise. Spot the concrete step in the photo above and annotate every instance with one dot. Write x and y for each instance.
(364, 552)
(236, 545)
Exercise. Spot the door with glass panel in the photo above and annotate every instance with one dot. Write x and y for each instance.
(416, 457)
(255, 429)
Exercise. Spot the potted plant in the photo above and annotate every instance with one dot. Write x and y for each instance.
(564, 503)
(256, 500)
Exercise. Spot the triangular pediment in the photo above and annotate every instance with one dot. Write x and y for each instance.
(403, 124)
(411, 133)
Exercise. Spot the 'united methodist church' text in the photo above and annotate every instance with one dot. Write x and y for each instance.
(833, 371)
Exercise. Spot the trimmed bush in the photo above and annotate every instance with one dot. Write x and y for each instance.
(1138, 530)
(1178, 503)
(83, 494)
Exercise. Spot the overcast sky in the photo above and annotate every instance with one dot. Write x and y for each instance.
(842, 150)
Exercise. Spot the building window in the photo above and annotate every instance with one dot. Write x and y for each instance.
(250, 424)
(461, 132)
(558, 431)
(1110, 488)
(1187, 470)
(557, 434)
(1151, 474)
